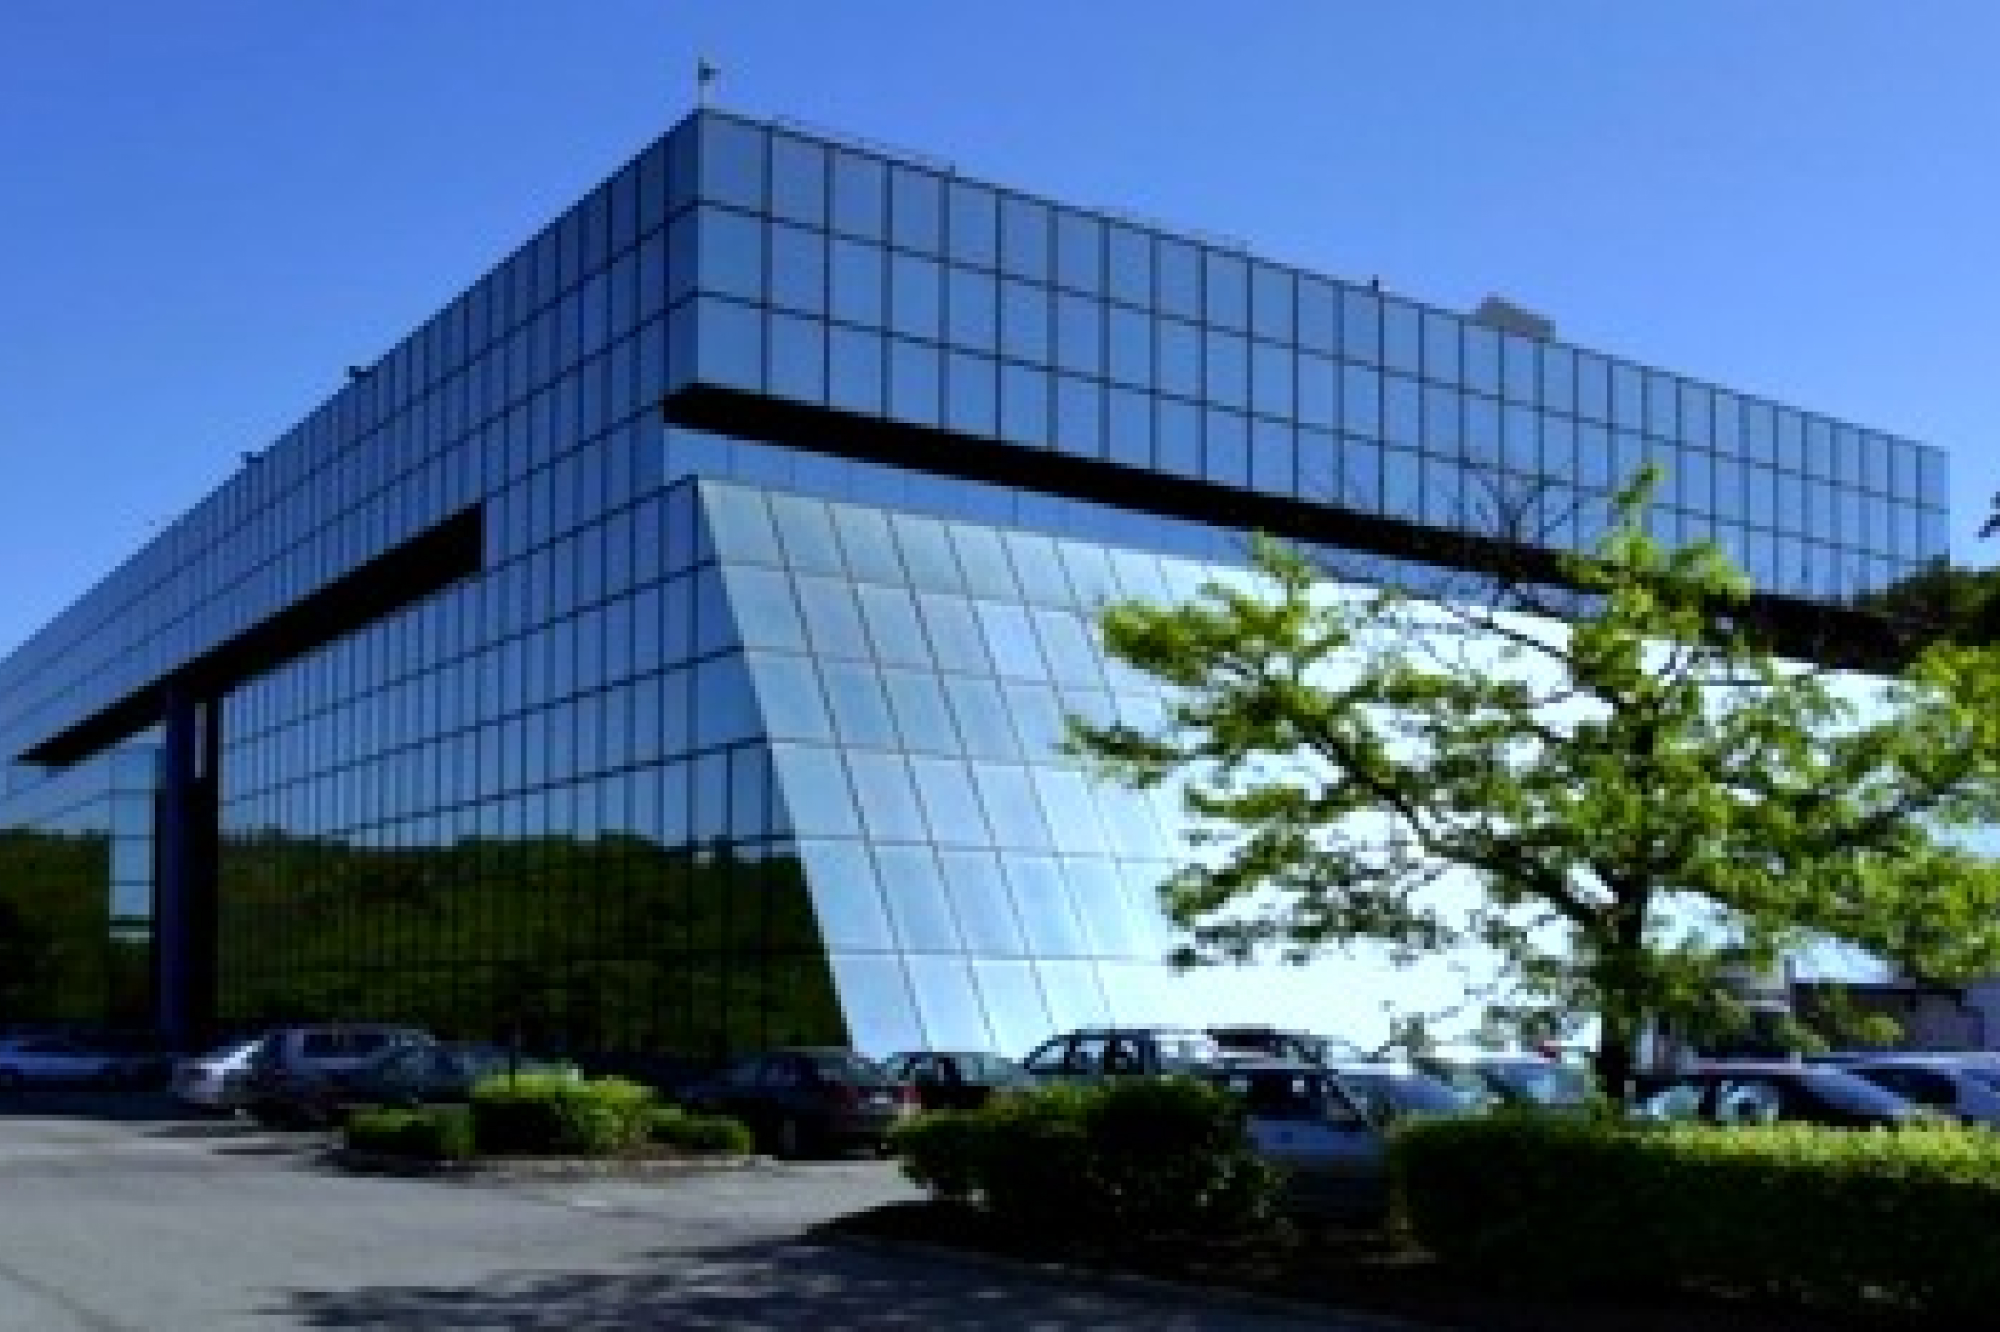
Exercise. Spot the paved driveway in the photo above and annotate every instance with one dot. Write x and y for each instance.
(162, 1223)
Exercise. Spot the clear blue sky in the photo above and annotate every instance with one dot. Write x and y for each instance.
(208, 208)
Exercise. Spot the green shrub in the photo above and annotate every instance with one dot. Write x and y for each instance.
(555, 1114)
(942, 1151)
(672, 1126)
(1833, 1216)
(1130, 1158)
(434, 1133)
(1174, 1155)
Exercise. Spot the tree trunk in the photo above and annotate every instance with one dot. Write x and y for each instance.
(1621, 964)
(1616, 1060)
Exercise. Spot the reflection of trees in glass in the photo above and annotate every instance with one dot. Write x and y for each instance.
(55, 963)
(611, 943)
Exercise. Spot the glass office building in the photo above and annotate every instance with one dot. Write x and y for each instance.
(664, 647)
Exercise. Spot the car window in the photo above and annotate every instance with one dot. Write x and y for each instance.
(1283, 1096)
(1463, 1080)
(1086, 1055)
(1123, 1056)
(1679, 1101)
(987, 1068)
(782, 1073)
(1186, 1050)
(1048, 1057)
(843, 1066)
(1389, 1096)
(1546, 1083)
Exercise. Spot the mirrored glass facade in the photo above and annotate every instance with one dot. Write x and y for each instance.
(663, 648)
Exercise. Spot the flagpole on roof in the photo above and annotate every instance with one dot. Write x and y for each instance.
(704, 74)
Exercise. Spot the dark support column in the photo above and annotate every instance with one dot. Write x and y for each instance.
(185, 842)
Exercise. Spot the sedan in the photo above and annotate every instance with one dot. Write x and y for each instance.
(55, 1060)
(957, 1079)
(1389, 1093)
(1768, 1092)
(1332, 1155)
(1963, 1088)
(803, 1100)
(407, 1076)
(1524, 1081)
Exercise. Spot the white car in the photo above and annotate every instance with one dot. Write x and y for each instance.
(52, 1060)
(216, 1080)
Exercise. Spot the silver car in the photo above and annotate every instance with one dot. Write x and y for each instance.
(1332, 1155)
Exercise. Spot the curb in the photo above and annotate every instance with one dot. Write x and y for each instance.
(1331, 1316)
(504, 1169)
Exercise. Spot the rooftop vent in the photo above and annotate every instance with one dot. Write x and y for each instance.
(1508, 317)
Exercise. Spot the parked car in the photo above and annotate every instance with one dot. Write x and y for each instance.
(1388, 1092)
(1530, 1081)
(1279, 1043)
(1099, 1052)
(217, 1080)
(1331, 1154)
(804, 1100)
(144, 1059)
(280, 1083)
(1964, 1088)
(55, 1061)
(412, 1074)
(1740, 1094)
(956, 1079)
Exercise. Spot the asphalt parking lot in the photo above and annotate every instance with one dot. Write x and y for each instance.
(121, 1214)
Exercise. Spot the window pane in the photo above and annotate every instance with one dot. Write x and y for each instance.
(981, 712)
(945, 786)
(875, 994)
(814, 785)
(1048, 916)
(981, 900)
(921, 715)
(859, 202)
(889, 807)
(861, 713)
(846, 896)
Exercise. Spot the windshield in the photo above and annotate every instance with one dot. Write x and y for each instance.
(844, 1066)
(988, 1068)
(1543, 1083)
(1388, 1095)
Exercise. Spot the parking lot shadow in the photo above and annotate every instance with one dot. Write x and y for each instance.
(111, 1106)
(772, 1284)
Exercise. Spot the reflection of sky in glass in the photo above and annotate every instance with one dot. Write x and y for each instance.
(947, 655)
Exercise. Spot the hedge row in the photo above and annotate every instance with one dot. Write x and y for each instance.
(1828, 1216)
(544, 1114)
(1131, 1158)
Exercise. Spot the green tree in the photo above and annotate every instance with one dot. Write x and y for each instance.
(1643, 794)
(1941, 601)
